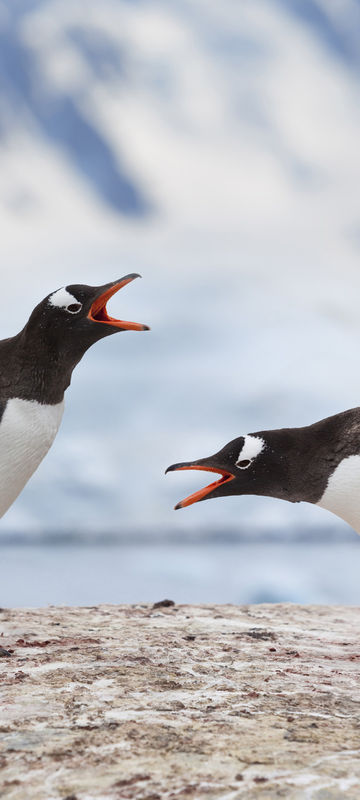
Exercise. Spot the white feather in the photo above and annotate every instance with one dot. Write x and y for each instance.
(342, 494)
(253, 445)
(27, 431)
(62, 298)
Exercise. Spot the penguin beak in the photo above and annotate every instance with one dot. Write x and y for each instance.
(202, 494)
(98, 312)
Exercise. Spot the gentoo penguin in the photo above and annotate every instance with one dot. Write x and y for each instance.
(317, 464)
(35, 370)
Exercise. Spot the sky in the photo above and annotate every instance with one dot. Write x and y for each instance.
(213, 148)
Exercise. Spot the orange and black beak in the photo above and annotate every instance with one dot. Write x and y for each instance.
(98, 312)
(211, 489)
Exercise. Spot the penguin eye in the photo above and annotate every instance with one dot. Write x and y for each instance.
(244, 464)
(74, 308)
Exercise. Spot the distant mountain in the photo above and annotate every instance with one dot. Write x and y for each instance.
(60, 68)
(28, 93)
(336, 25)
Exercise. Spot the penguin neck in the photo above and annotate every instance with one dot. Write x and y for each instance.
(35, 369)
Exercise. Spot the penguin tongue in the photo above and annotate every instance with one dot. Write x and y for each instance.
(201, 493)
(98, 311)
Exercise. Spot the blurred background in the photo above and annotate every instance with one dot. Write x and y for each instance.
(214, 148)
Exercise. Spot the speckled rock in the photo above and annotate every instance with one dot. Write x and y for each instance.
(180, 702)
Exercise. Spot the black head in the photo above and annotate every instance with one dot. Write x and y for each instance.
(38, 362)
(259, 463)
(72, 318)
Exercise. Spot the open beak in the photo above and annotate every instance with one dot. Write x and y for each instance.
(208, 490)
(98, 312)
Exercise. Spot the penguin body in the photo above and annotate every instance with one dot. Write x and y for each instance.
(342, 493)
(27, 431)
(318, 464)
(35, 370)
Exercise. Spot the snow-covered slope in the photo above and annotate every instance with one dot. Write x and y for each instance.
(213, 147)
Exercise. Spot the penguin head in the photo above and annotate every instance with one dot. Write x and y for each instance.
(72, 318)
(258, 463)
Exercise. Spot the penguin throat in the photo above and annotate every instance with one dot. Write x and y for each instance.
(98, 312)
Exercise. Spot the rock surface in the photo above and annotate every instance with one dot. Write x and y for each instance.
(180, 702)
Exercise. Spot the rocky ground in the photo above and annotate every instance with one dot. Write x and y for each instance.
(166, 701)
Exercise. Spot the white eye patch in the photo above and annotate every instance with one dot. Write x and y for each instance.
(63, 299)
(253, 445)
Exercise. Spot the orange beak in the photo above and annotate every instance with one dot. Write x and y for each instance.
(202, 493)
(98, 312)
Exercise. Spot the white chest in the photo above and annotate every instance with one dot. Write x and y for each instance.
(27, 430)
(342, 494)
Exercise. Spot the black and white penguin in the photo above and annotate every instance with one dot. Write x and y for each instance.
(35, 370)
(317, 464)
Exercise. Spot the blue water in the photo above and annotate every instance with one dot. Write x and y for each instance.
(230, 572)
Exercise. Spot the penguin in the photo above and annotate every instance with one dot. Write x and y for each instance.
(35, 370)
(317, 464)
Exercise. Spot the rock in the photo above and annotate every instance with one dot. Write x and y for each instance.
(125, 703)
(164, 603)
